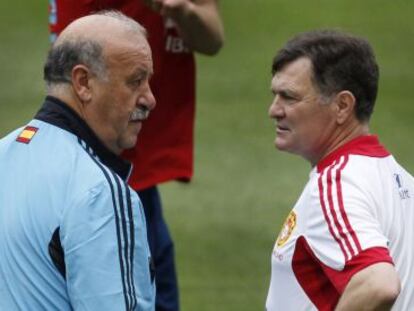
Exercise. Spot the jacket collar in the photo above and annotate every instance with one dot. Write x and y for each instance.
(58, 113)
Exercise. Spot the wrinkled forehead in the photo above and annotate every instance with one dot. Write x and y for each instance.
(295, 73)
(129, 56)
(127, 47)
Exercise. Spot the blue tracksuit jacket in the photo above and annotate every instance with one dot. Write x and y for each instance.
(72, 233)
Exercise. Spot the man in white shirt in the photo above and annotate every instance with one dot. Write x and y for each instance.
(347, 244)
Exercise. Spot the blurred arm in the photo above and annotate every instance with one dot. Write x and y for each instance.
(373, 288)
(198, 21)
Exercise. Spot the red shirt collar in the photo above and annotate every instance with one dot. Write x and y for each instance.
(367, 145)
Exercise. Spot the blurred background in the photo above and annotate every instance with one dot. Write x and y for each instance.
(225, 222)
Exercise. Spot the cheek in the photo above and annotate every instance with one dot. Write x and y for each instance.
(125, 103)
(119, 116)
(305, 126)
(128, 100)
(319, 128)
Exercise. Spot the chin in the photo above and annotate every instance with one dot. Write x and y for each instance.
(129, 143)
(280, 145)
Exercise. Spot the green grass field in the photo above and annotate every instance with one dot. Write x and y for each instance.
(226, 221)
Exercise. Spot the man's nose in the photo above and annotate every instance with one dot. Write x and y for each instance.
(152, 102)
(147, 99)
(275, 109)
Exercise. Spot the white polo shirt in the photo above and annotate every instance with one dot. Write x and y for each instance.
(357, 209)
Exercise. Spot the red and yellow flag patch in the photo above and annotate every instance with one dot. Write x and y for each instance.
(27, 134)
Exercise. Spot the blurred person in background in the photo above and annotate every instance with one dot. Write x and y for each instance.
(176, 29)
(347, 244)
(72, 232)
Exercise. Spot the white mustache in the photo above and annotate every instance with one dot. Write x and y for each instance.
(139, 114)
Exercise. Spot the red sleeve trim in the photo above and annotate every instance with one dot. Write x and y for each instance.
(324, 285)
(364, 259)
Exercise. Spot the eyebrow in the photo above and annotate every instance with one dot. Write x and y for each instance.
(285, 92)
(140, 73)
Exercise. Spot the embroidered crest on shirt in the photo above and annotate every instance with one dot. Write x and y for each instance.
(27, 134)
(287, 229)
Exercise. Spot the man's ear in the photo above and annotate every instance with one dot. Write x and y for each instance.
(345, 104)
(81, 76)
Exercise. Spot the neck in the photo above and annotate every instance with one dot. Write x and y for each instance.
(63, 92)
(342, 137)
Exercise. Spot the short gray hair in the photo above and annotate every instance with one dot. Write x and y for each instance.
(66, 55)
(69, 52)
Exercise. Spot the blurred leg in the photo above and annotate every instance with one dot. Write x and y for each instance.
(162, 250)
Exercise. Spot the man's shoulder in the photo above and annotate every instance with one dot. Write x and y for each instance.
(352, 167)
(60, 150)
(59, 153)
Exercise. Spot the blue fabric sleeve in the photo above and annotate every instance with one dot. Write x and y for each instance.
(98, 236)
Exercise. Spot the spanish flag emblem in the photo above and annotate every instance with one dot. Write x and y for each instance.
(27, 134)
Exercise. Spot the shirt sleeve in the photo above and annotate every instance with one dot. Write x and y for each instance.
(343, 230)
(106, 255)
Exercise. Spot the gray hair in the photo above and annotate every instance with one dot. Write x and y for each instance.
(69, 52)
(66, 55)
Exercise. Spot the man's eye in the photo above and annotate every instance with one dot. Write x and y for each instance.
(138, 81)
(288, 98)
(135, 82)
